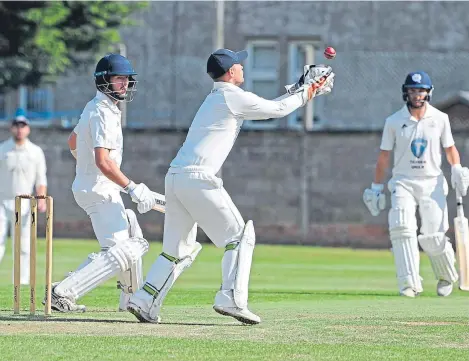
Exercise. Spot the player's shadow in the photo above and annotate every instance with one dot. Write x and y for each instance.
(202, 324)
(29, 318)
(327, 293)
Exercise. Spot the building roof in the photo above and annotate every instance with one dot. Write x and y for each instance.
(460, 97)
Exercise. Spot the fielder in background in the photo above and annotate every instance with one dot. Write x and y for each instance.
(96, 143)
(22, 168)
(195, 195)
(416, 134)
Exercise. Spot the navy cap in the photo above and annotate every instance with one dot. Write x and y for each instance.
(222, 60)
(20, 117)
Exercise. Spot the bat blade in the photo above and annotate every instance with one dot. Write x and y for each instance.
(160, 208)
(461, 231)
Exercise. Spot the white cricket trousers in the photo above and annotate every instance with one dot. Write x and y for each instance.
(197, 198)
(428, 194)
(7, 218)
(107, 215)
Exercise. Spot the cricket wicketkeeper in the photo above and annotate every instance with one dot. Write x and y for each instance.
(196, 196)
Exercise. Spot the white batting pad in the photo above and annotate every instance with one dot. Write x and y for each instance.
(118, 258)
(402, 223)
(163, 273)
(131, 281)
(87, 261)
(441, 254)
(236, 265)
(229, 266)
(124, 301)
(407, 262)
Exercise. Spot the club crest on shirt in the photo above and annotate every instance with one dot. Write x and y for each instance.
(418, 147)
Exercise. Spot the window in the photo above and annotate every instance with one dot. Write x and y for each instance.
(38, 103)
(301, 53)
(261, 76)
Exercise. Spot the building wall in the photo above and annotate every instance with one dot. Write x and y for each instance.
(263, 176)
(377, 44)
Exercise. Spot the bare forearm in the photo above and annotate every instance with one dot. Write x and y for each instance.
(110, 169)
(41, 190)
(452, 155)
(382, 166)
(72, 141)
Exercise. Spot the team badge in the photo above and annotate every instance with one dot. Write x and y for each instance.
(417, 78)
(418, 147)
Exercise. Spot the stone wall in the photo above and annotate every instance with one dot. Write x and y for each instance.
(377, 44)
(262, 174)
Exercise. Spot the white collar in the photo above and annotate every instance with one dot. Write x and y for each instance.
(15, 146)
(103, 98)
(226, 85)
(429, 112)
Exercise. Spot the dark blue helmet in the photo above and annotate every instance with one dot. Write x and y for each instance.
(115, 64)
(417, 79)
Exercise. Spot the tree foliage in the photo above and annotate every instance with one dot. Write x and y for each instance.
(42, 39)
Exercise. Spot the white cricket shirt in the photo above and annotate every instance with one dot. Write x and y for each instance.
(99, 127)
(417, 144)
(218, 121)
(21, 168)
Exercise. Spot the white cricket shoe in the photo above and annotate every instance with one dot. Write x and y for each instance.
(241, 314)
(140, 309)
(408, 292)
(64, 304)
(444, 288)
(225, 305)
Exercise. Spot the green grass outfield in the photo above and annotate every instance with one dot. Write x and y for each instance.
(315, 304)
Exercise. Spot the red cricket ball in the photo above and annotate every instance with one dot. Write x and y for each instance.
(329, 52)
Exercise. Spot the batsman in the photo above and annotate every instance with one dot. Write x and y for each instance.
(416, 135)
(97, 144)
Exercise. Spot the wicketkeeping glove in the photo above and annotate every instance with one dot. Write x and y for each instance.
(320, 75)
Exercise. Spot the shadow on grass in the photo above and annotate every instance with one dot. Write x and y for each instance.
(29, 318)
(328, 293)
(21, 318)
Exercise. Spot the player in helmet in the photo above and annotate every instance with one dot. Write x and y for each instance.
(416, 133)
(96, 143)
(417, 89)
(114, 76)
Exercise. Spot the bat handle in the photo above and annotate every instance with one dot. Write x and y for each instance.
(459, 204)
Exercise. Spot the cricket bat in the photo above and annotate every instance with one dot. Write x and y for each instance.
(160, 203)
(461, 231)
